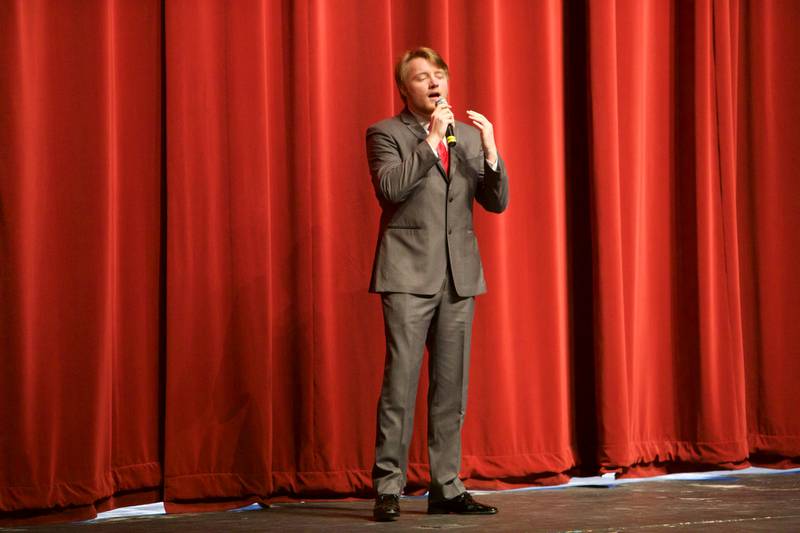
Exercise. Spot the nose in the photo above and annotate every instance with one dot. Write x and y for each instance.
(434, 83)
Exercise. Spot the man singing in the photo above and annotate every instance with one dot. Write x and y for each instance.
(427, 168)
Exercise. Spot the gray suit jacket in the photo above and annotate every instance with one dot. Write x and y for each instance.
(427, 217)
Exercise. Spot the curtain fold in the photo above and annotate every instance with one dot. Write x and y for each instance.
(768, 208)
(187, 228)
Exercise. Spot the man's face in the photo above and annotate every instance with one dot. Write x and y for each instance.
(424, 84)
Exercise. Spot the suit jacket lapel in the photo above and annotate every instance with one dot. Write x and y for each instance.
(455, 154)
(411, 121)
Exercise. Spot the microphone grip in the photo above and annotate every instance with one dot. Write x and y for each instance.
(450, 136)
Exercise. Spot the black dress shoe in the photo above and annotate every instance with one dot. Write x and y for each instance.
(387, 507)
(461, 504)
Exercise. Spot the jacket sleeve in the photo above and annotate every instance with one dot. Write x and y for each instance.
(492, 190)
(394, 177)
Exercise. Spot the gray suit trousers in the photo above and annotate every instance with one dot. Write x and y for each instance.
(444, 322)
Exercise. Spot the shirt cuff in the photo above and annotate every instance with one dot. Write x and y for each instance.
(493, 166)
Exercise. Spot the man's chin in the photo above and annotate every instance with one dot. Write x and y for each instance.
(424, 110)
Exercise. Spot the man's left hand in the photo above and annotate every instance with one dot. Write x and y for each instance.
(487, 135)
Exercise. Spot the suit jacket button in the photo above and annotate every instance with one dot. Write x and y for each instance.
(450, 199)
(450, 232)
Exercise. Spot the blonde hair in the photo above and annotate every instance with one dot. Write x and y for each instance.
(401, 68)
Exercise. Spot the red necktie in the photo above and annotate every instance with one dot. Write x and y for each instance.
(444, 156)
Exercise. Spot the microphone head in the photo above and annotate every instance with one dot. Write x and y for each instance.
(441, 100)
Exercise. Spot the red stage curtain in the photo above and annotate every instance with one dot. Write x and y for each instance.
(81, 385)
(187, 230)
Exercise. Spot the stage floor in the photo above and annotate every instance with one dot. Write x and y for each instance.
(730, 501)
